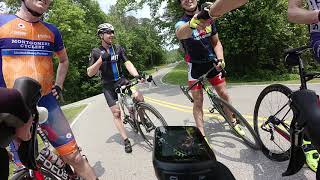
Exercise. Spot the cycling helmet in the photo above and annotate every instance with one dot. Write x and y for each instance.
(105, 27)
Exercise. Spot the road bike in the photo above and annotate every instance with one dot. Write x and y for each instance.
(220, 105)
(275, 111)
(141, 116)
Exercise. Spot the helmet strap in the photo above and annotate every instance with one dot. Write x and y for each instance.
(102, 37)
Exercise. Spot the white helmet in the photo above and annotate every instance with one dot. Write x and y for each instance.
(102, 28)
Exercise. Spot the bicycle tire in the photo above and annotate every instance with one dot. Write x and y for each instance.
(252, 140)
(277, 153)
(148, 136)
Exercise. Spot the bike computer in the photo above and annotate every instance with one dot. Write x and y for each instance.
(181, 152)
(181, 143)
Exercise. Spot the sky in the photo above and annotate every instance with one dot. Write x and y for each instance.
(143, 13)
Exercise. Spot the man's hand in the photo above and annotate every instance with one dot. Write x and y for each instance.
(194, 22)
(56, 91)
(140, 78)
(199, 24)
(205, 9)
(24, 132)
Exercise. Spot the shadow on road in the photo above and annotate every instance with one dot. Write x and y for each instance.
(99, 169)
(222, 138)
(135, 139)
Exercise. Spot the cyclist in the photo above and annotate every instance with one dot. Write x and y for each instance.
(12, 103)
(27, 47)
(298, 14)
(108, 60)
(202, 47)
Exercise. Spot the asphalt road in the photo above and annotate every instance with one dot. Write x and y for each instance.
(100, 141)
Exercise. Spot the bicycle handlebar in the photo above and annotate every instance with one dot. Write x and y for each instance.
(298, 50)
(136, 81)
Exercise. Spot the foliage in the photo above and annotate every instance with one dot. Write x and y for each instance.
(253, 36)
(77, 21)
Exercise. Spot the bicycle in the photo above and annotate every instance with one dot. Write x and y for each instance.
(138, 114)
(35, 164)
(218, 104)
(274, 123)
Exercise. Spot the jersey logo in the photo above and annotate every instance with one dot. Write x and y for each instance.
(201, 34)
(114, 58)
(22, 26)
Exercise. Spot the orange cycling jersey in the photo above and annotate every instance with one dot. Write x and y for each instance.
(26, 49)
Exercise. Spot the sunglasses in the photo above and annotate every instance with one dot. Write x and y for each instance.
(109, 32)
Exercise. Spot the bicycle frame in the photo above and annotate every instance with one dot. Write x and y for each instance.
(304, 78)
(123, 93)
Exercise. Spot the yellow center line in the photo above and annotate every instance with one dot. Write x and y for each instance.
(185, 108)
(214, 115)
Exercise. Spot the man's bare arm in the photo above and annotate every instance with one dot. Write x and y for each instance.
(220, 7)
(94, 68)
(297, 14)
(62, 67)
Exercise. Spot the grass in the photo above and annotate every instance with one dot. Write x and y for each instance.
(70, 113)
(178, 76)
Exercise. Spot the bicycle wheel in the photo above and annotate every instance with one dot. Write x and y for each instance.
(272, 118)
(249, 137)
(148, 119)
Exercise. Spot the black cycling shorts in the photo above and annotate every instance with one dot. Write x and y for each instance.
(109, 90)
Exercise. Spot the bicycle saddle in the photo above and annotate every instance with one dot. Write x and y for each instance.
(30, 90)
(292, 55)
(308, 121)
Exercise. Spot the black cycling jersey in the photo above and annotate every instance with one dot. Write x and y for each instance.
(198, 48)
(110, 69)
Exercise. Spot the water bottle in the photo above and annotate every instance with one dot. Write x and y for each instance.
(129, 102)
(43, 114)
(52, 157)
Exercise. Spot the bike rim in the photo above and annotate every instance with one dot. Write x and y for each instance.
(276, 111)
(150, 114)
